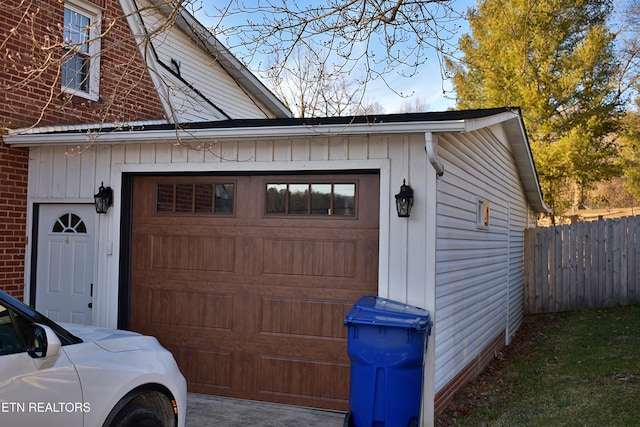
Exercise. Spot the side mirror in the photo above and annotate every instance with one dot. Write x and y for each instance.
(43, 343)
(38, 342)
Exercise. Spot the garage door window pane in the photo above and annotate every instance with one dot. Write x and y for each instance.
(321, 199)
(184, 198)
(276, 198)
(298, 198)
(164, 198)
(344, 199)
(204, 198)
(224, 198)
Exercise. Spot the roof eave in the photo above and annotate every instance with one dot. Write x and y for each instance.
(525, 164)
(119, 136)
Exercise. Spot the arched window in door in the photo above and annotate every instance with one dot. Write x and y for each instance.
(69, 223)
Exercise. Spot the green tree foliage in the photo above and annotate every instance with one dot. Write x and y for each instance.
(557, 61)
(630, 153)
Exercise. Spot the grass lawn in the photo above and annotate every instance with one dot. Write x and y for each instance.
(564, 369)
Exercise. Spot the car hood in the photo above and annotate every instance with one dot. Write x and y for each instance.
(114, 340)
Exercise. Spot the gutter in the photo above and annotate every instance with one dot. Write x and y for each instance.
(105, 135)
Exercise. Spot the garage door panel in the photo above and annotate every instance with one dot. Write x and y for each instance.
(141, 250)
(266, 284)
(196, 365)
(266, 225)
(192, 309)
(325, 258)
(303, 317)
(303, 378)
(251, 304)
(192, 253)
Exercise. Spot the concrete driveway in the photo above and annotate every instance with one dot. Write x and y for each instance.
(213, 411)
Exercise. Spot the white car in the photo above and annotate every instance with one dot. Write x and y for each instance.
(83, 376)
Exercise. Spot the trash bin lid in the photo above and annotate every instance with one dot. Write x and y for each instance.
(372, 310)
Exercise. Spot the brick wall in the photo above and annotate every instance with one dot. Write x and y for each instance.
(30, 95)
(30, 37)
(13, 212)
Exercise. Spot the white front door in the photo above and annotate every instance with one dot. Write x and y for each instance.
(64, 278)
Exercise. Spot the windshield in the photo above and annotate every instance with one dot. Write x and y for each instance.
(32, 316)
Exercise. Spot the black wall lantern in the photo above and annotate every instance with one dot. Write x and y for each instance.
(103, 199)
(404, 200)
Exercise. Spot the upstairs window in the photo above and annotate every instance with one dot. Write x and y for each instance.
(81, 59)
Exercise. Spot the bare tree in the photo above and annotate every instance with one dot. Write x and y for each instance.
(371, 39)
(309, 89)
(416, 105)
(369, 108)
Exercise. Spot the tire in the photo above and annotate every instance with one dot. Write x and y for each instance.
(137, 416)
(348, 420)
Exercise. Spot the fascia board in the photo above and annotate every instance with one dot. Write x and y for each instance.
(264, 132)
(484, 122)
(525, 164)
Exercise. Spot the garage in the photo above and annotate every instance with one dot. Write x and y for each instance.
(247, 278)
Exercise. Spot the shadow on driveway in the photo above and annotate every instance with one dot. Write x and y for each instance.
(214, 411)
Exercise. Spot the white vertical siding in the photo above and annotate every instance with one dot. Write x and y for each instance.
(478, 271)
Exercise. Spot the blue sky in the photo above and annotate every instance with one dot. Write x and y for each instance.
(426, 85)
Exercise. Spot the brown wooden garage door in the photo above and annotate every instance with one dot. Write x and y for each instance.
(247, 279)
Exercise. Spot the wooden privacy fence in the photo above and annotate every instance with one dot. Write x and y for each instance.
(587, 264)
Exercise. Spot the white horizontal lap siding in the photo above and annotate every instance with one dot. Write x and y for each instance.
(201, 70)
(185, 105)
(519, 222)
(476, 272)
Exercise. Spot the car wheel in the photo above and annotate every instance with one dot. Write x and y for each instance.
(348, 420)
(137, 416)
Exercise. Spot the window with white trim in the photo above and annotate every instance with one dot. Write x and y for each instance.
(81, 57)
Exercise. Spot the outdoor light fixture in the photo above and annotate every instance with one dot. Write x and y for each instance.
(404, 200)
(103, 199)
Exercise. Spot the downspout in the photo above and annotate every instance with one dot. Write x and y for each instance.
(508, 293)
(430, 146)
(431, 219)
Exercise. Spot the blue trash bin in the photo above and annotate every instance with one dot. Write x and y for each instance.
(386, 345)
